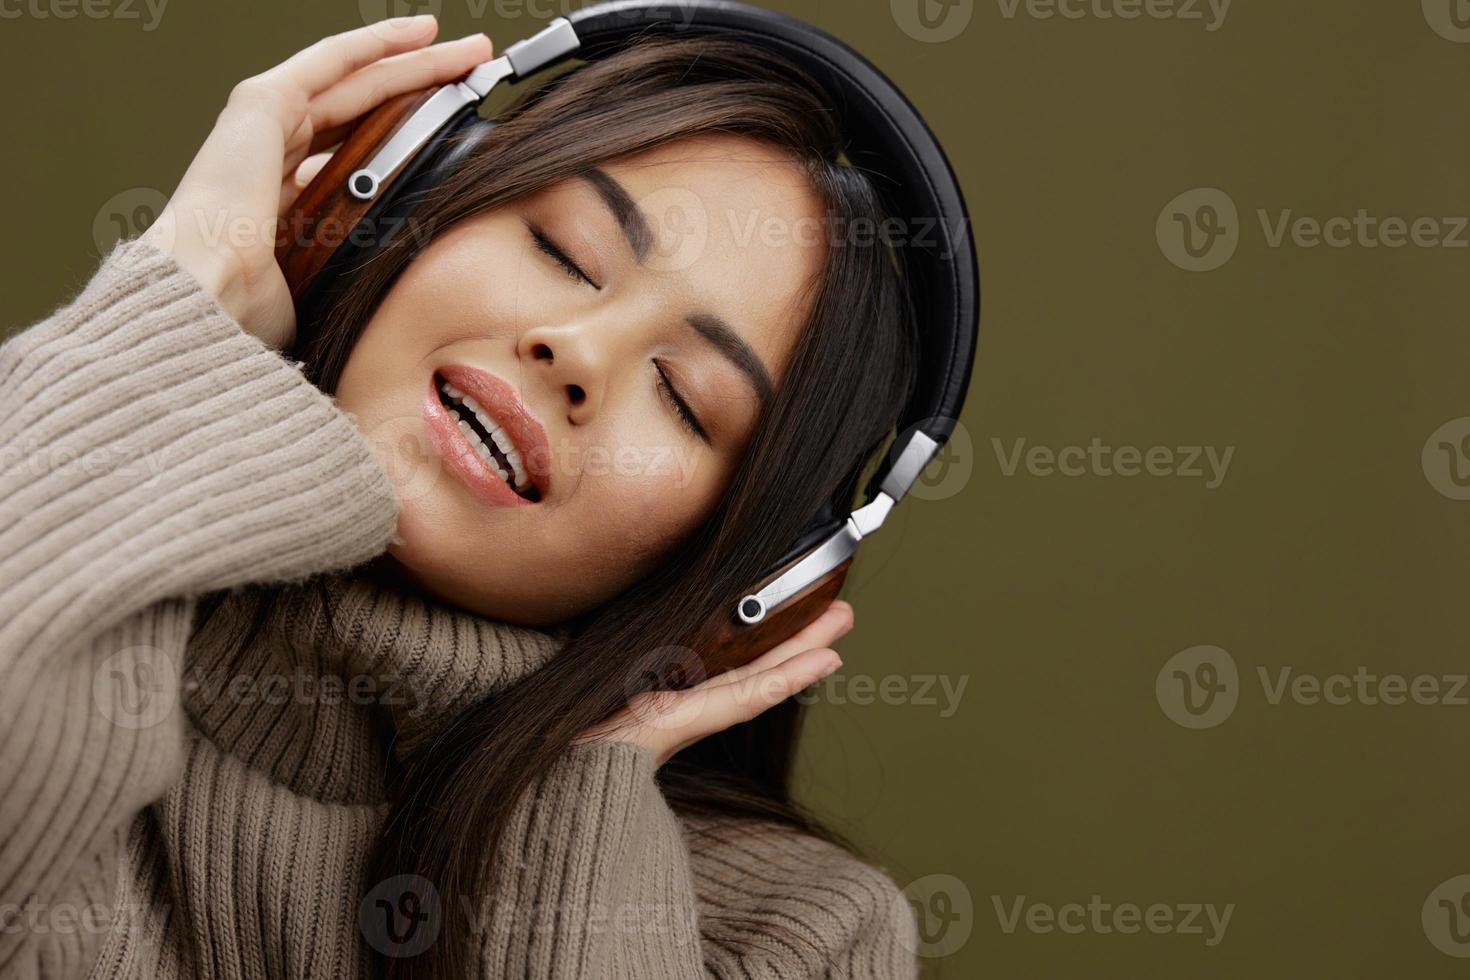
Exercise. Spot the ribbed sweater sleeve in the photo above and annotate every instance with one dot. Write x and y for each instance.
(597, 877)
(150, 451)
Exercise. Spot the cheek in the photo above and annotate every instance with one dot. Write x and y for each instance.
(472, 281)
(641, 499)
(443, 296)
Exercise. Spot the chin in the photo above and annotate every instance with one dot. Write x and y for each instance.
(418, 564)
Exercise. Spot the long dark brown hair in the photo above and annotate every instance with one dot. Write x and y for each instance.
(850, 372)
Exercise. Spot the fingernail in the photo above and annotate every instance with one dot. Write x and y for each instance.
(832, 666)
(477, 34)
(411, 20)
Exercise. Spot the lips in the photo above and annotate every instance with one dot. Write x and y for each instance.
(488, 438)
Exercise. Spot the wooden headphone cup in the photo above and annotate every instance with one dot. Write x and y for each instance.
(325, 213)
(728, 643)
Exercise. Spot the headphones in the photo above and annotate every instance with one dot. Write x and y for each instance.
(407, 144)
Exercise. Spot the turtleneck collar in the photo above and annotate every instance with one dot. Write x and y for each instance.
(337, 672)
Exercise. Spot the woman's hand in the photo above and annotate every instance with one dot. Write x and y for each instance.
(221, 223)
(667, 721)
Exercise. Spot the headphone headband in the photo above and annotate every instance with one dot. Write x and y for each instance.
(891, 143)
(887, 139)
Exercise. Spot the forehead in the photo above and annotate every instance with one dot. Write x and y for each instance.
(737, 229)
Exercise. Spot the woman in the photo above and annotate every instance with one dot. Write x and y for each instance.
(345, 665)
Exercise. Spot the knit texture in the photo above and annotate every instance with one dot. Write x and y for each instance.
(188, 796)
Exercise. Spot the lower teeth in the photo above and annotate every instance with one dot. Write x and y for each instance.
(482, 446)
(481, 450)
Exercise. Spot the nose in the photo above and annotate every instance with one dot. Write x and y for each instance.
(568, 359)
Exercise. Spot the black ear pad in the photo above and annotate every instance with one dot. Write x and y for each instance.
(817, 530)
(390, 218)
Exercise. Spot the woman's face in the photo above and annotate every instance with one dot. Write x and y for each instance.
(614, 336)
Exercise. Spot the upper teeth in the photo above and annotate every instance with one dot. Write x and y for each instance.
(518, 478)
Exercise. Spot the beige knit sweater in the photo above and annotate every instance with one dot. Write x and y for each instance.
(167, 810)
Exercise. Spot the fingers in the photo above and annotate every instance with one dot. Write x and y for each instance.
(309, 168)
(284, 93)
(743, 699)
(668, 721)
(332, 59)
(327, 119)
(299, 176)
(823, 631)
(365, 90)
(303, 161)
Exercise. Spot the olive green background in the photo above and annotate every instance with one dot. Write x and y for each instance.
(1059, 599)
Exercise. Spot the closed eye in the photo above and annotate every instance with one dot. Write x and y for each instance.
(681, 408)
(551, 249)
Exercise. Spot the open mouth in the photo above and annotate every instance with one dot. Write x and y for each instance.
(490, 441)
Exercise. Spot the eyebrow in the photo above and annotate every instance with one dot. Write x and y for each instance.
(630, 217)
(725, 340)
(718, 333)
